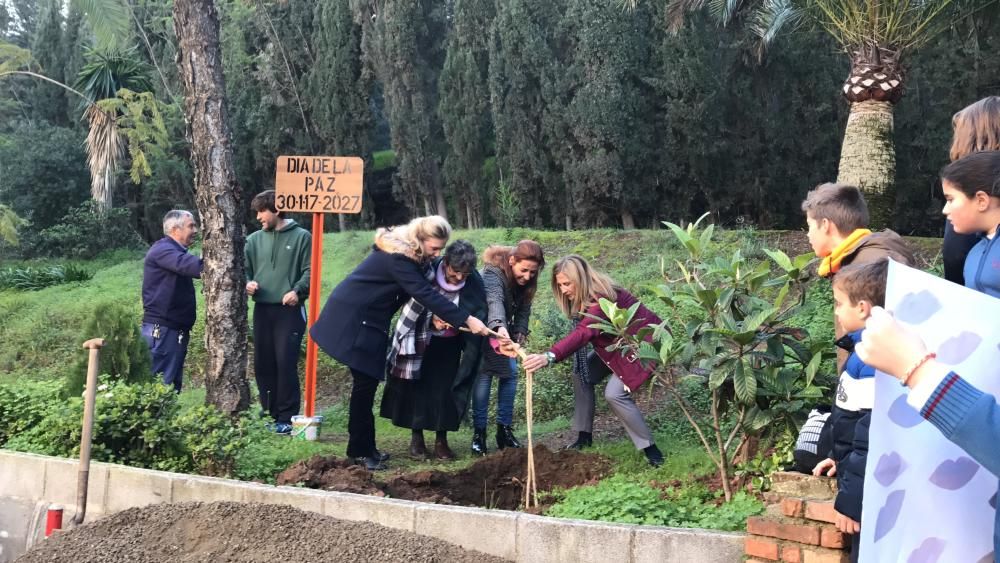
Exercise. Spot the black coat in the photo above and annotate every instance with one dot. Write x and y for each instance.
(353, 327)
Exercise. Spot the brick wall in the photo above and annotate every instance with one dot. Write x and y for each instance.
(798, 524)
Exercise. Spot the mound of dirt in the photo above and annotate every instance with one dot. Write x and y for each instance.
(236, 532)
(495, 481)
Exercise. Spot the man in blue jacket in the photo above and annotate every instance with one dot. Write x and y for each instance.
(168, 300)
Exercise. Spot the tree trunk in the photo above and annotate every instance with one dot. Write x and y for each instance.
(442, 207)
(628, 222)
(868, 159)
(341, 222)
(220, 202)
(468, 216)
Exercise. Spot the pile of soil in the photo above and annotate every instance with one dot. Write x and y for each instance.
(230, 532)
(495, 481)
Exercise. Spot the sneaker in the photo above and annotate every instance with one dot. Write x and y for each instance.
(653, 455)
(282, 428)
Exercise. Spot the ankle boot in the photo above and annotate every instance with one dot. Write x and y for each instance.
(506, 438)
(418, 448)
(479, 442)
(441, 449)
(583, 440)
(653, 455)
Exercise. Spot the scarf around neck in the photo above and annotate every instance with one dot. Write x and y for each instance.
(831, 263)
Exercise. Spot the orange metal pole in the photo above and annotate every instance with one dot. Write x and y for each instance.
(316, 269)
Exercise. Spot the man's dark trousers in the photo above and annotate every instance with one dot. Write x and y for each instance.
(168, 348)
(277, 339)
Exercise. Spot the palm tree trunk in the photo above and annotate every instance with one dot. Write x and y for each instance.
(220, 203)
(868, 158)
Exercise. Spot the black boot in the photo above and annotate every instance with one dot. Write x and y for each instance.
(418, 449)
(583, 440)
(653, 455)
(506, 438)
(479, 442)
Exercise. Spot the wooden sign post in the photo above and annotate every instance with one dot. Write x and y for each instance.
(317, 185)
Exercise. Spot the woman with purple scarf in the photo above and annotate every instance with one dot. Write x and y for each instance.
(431, 366)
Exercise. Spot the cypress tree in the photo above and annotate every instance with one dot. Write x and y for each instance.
(405, 45)
(48, 100)
(339, 85)
(465, 106)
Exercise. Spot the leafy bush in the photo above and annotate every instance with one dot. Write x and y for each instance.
(32, 279)
(125, 355)
(24, 404)
(84, 233)
(140, 425)
(620, 499)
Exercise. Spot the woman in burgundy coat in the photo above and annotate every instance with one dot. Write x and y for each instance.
(577, 288)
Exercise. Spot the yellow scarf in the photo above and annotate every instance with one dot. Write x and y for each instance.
(831, 263)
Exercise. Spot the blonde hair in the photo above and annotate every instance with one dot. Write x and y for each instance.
(976, 128)
(590, 285)
(415, 232)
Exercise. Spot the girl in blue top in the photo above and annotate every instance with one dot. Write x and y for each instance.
(971, 187)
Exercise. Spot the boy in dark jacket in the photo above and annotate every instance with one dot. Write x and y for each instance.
(856, 289)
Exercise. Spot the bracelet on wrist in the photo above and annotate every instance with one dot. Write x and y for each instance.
(917, 365)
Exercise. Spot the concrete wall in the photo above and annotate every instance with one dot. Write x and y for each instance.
(28, 482)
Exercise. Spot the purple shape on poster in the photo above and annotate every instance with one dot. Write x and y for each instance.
(888, 514)
(957, 348)
(903, 414)
(889, 467)
(988, 558)
(993, 501)
(928, 552)
(953, 474)
(915, 308)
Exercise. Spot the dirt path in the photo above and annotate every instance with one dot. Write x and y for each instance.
(234, 532)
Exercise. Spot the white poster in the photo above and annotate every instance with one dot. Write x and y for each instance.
(925, 499)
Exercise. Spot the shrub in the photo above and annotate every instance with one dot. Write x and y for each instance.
(213, 440)
(32, 279)
(133, 425)
(24, 404)
(619, 499)
(84, 233)
(125, 355)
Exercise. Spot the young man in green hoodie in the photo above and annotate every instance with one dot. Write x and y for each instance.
(277, 266)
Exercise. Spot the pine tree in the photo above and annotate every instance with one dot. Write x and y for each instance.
(465, 107)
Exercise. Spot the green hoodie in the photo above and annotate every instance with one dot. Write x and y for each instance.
(279, 262)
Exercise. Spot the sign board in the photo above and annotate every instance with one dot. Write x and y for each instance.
(926, 499)
(319, 184)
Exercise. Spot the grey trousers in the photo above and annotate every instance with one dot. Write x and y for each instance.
(621, 404)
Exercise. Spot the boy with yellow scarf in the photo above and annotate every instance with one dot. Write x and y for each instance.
(837, 216)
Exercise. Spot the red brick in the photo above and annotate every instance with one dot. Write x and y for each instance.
(821, 511)
(820, 555)
(791, 553)
(801, 533)
(792, 507)
(761, 547)
(831, 537)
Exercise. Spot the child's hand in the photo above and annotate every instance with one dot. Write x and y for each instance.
(822, 467)
(439, 324)
(846, 525)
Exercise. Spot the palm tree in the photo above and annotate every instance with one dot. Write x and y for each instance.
(876, 35)
(105, 72)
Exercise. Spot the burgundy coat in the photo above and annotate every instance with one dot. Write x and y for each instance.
(627, 367)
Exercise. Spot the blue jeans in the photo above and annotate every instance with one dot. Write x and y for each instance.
(506, 391)
(168, 347)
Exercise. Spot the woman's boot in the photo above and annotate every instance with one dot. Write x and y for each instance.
(479, 442)
(506, 438)
(441, 449)
(418, 449)
(583, 440)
